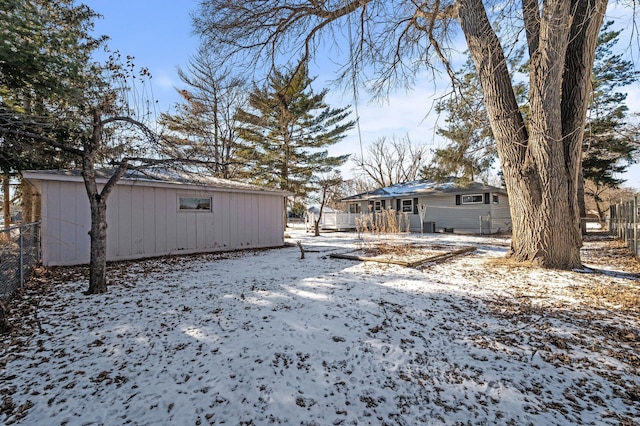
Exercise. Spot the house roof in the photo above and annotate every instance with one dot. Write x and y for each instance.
(423, 188)
(154, 177)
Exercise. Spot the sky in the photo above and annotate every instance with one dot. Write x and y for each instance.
(159, 35)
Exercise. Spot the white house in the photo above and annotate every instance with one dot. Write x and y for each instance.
(475, 208)
(156, 213)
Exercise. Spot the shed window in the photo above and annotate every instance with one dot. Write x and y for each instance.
(354, 207)
(407, 206)
(473, 199)
(194, 204)
(495, 198)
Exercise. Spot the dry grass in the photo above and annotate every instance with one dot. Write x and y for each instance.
(380, 233)
(625, 296)
(386, 221)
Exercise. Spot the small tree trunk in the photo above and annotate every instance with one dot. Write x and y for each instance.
(27, 202)
(582, 205)
(5, 327)
(98, 205)
(98, 258)
(36, 210)
(6, 208)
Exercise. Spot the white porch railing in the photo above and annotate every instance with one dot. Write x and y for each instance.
(333, 220)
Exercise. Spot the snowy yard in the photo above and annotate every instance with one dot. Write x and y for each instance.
(263, 337)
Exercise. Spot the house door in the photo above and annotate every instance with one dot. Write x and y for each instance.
(485, 224)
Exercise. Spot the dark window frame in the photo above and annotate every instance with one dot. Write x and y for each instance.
(187, 203)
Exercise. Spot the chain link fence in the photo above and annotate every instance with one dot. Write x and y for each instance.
(19, 253)
(624, 223)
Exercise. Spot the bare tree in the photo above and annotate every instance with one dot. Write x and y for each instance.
(95, 150)
(391, 42)
(327, 185)
(204, 125)
(391, 161)
(106, 129)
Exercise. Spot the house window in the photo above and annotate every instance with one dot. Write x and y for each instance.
(354, 207)
(495, 198)
(473, 199)
(407, 206)
(377, 205)
(194, 204)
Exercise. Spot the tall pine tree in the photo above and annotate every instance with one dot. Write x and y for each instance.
(610, 144)
(287, 130)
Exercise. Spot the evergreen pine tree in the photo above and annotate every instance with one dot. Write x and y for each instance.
(610, 145)
(471, 150)
(287, 130)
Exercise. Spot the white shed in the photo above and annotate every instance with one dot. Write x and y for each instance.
(156, 213)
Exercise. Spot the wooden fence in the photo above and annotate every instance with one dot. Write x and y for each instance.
(625, 221)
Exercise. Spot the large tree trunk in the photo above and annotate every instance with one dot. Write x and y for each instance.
(576, 86)
(540, 161)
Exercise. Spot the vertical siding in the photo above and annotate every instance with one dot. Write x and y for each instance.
(263, 227)
(83, 221)
(210, 231)
(139, 215)
(181, 228)
(218, 229)
(254, 234)
(150, 218)
(52, 199)
(160, 226)
(200, 230)
(224, 220)
(68, 235)
(171, 225)
(45, 227)
(124, 206)
(65, 224)
(233, 221)
(145, 221)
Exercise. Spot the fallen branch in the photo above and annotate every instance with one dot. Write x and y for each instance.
(431, 259)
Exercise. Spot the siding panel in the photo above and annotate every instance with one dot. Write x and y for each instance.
(149, 236)
(139, 215)
(54, 238)
(144, 221)
(124, 221)
(160, 225)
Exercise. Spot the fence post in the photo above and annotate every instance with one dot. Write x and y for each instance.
(635, 225)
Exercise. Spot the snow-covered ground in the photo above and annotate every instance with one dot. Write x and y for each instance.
(264, 337)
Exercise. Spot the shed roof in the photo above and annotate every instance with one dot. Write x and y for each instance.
(425, 188)
(155, 177)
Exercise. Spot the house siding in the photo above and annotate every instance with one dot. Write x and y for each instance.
(144, 221)
(446, 213)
